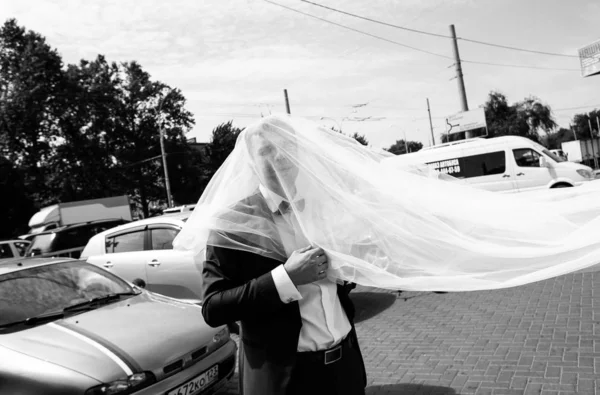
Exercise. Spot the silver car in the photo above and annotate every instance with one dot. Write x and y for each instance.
(142, 252)
(68, 327)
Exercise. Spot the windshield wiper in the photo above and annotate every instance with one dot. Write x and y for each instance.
(38, 319)
(95, 302)
(55, 315)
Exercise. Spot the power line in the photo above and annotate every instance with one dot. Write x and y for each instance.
(358, 31)
(576, 108)
(516, 65)
(435, 34)
(375, 21)
(516, 48)
(413, 48)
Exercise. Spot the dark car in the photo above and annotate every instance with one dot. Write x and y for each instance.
(69, 240)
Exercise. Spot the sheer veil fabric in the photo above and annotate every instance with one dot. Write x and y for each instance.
(387, 227)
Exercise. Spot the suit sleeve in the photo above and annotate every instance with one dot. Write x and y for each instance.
(225, 300)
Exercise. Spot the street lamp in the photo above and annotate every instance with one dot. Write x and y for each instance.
(163, 154)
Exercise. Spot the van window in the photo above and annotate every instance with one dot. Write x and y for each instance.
(480, 165)
(526, 157)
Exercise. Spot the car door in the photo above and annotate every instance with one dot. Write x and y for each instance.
(529, 174)
(171, 272)
(124, 254)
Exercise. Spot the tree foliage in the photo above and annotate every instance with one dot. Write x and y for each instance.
(222, 142)
(582, 123)
(554, 140)
(526, 118)
(90, 129)
(400, 146)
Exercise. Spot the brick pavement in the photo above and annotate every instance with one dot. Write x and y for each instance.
(542, 338)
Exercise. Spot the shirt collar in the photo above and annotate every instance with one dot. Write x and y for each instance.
(273, 200)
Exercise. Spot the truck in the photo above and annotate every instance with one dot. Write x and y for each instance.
(582, 151)
(61, 214)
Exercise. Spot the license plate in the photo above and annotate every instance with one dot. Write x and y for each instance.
(198, 383)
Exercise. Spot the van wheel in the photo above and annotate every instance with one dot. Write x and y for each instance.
(561, 186)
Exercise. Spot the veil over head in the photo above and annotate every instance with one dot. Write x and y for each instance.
(387, 227)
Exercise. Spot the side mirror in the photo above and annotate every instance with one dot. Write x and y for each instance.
(544, 162)
(139, 283)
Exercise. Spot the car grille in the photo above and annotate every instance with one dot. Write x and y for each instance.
(180, 363)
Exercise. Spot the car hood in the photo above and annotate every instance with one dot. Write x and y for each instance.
(571, 165)
(143, 333)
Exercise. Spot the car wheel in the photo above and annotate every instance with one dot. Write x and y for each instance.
(561, 186)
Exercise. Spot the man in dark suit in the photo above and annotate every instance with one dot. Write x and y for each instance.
(297, 332)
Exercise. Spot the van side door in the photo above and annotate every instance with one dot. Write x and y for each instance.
(489, 170)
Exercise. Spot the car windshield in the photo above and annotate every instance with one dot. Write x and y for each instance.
(51, 288)
(41, 244)
(555, 157)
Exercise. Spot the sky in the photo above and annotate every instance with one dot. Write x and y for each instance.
(233, 59)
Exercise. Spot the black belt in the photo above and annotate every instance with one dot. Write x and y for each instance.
(330, 355)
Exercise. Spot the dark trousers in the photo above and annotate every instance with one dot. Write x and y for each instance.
(260, 374)
(311, 374)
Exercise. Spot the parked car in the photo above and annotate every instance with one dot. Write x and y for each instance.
(69, 240)
(68, 327)
(142, 251)
(505, 164)
(10, 249)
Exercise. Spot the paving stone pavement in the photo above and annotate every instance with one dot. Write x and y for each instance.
(542, 338)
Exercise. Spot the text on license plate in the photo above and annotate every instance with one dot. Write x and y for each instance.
(198, 383)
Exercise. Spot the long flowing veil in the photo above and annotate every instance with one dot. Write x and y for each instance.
(387, 227)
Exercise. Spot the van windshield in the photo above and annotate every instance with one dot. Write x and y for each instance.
(555, 157)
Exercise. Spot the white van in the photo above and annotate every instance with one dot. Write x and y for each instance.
(502, 164)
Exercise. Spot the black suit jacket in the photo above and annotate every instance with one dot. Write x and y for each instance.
(238, 286)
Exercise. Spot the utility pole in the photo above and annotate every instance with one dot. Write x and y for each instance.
(430, 124)
(459, 76)
(164, 160)
(164, 155)
(287, 102)
(592, 141)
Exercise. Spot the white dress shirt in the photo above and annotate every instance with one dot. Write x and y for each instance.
(324, 321)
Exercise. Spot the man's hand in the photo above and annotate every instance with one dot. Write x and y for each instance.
(307, 265)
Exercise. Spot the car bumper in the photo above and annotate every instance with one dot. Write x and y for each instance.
(224, 357)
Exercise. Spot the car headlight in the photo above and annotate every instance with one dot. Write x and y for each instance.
(585, 173)
(219, 340)
(131, 384)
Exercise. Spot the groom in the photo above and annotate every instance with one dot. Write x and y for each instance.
(297, 331)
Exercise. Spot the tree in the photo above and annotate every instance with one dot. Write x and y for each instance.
(582, 122)
(399, 147)
(143, 108)
(525, 118)
(222, 143)
(31, 94)
(360, 138)
(554, 140)
(17, 205)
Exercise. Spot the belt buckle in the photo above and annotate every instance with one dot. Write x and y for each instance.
(333, 355)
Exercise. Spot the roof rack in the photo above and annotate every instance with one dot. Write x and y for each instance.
(453, 143)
